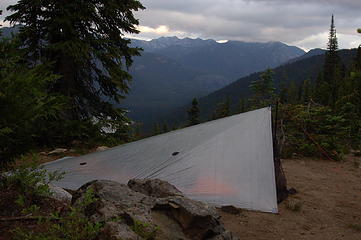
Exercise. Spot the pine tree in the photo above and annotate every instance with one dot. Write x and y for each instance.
(28, 112)
(283, 91)
(306, 91)
(331, 69)
(292, 93)
(242, 105)
(85, 42)
(165, 128)
(263, 90)
(193, 113)
(156, 129)
(222, 110)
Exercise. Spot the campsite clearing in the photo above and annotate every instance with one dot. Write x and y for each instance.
(328, 198)
(328, 204)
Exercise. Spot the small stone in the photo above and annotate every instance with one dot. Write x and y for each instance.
(292, 191)
(58, 151)
(231, 209)
(102, 148)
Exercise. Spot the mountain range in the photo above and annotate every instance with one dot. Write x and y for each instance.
(296, 70)
(172, 71)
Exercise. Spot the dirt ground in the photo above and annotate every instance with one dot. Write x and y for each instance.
(329, 201)
(328, 197)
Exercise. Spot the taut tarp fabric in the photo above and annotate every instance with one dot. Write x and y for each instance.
(224, 162)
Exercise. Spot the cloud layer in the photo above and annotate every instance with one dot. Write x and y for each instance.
(304, 23)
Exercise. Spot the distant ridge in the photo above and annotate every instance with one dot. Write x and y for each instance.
(172, 71)
(308, 66)
(311, 53)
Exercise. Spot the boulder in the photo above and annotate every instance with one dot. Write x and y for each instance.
(59, 194)
(150, 209)
(154, 188)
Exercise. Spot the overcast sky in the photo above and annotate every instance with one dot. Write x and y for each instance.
(304, 23)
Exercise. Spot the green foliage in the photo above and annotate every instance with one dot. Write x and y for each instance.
(26, 106)
(222, 110)
(165, 128)
(85, 42)
(144, 230)
(243, 105)
(294, 205)
(263, 90)
(355, 226)
(306, 91)
(193, 113)
(72, 226)
(310, 129)
(31, 181)
(156, 129)
(59, 75)
(331, 70)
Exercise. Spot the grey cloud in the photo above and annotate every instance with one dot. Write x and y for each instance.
(253, 20)
(290, 21)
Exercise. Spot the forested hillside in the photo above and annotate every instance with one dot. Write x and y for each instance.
(172, 71)
(317, 97)
(286, 76)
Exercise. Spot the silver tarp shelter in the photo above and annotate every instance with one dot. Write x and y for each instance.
(223, 162)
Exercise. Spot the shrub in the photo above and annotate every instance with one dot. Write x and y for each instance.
(72, 226)
(30, 180)
(313, 130)
(294, 205)
(144, 230)
(26, 106)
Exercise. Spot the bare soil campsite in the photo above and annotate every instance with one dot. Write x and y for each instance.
(327, 204)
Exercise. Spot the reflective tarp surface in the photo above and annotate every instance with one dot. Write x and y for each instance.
(223, 162)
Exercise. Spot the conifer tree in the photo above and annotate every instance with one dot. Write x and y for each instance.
(331, 69)
(263, 90)
(306, 91)
(165, 128)
(242, 105)
(283, 91)
(85, 42)
(223, 109)
(193, 113)
(292, 93)
(28, 113)
(156, 129)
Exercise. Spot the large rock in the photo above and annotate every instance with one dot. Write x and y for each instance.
(154, 188)
(150, 209)
(59, 194)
